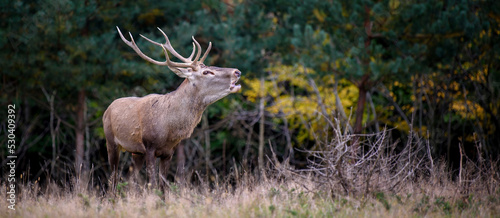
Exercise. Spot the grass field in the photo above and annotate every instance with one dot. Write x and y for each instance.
(339, 182)
(289, 197)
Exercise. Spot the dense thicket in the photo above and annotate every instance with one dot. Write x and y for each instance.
(429, 67)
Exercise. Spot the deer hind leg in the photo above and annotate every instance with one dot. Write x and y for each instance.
(138, 161)
(113, 157)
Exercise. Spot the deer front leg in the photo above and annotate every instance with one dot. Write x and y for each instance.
(138, 161)
(150, 167)
(164, 167)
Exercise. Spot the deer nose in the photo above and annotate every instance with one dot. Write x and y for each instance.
(237, 73)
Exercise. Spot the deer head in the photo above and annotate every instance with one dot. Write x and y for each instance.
(153, 125)
(216, 82)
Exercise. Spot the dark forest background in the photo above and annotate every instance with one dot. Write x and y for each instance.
(424, 68)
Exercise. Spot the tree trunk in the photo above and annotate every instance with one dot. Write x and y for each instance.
(80, 131)
(363, 84)
(50, 99)
(261, 129)
(358, 126)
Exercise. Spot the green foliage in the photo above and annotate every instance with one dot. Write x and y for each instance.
(274, 192)
(173, 188)
(272, 208)
(121, 188)
(423, 205)
(85, 200)
(441, 203)
(382, 199)
(437, 60)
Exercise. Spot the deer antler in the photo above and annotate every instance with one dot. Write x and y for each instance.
(187, 62)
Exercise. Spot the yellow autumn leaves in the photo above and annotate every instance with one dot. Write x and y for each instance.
(290, 95)
(300, 96)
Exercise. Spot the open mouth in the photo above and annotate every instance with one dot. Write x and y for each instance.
(234, 87)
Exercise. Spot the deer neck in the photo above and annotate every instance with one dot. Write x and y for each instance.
(188, 98)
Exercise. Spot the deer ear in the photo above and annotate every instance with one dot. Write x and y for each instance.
(181, 72)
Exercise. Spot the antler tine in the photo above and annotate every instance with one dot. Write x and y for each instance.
(174, 64)
(172, 50)
(167, 43)
(206, 52)
(167, 47)
(136, 48)
(168, 61)
(192, 53)
(199, 51)
(149, 40)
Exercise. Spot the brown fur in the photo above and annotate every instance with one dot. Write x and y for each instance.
(153, 125)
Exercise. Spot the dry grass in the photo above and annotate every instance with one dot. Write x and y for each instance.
(378, 182)
(295, 197)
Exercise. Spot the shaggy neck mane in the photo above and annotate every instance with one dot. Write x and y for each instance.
(188, 99)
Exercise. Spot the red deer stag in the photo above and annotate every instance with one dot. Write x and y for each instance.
(153, 125)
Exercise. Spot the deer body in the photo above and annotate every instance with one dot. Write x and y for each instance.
(153, 125)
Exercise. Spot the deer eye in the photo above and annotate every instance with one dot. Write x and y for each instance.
(207, 72)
